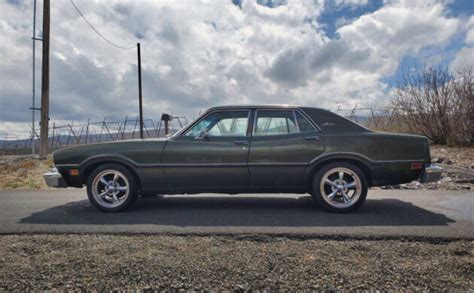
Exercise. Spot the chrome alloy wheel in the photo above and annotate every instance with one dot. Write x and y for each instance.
(340, 187)
(110, 188)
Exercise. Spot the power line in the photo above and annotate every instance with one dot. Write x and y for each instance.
(96, 31)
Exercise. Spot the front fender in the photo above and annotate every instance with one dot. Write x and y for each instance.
(84, 167)
(112, 158)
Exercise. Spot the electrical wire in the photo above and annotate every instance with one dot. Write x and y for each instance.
(96, 31)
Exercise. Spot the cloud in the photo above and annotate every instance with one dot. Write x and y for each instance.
(367, 49)
(463, 59)
(200, 54)
(348, 3)
(396, 30)
(470, 31)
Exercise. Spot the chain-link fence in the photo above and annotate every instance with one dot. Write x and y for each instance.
(93, 132)
(65, 134)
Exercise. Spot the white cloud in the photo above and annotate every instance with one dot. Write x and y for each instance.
(470, 31)
(200, 54)
(348, 70)
(352, 3)
(464, 59)
(396, 30)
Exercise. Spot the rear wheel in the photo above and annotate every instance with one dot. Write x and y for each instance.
(111, 188)
(340, 187)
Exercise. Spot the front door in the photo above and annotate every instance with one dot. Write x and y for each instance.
(284, 142)
(211, 155)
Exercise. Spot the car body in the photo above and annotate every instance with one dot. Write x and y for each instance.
(252, 149)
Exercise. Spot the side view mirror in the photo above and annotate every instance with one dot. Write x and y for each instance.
(202, 135)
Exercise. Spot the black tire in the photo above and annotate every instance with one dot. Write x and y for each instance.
(338, 202)
(129, 181)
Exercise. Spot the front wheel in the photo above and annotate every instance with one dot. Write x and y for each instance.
(340, 187)
(111, 188)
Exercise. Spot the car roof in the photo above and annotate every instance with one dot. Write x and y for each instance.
(269, 106)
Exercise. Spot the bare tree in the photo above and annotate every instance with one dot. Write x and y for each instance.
(437, 104)
(464, 91)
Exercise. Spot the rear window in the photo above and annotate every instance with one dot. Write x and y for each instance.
(303, 123)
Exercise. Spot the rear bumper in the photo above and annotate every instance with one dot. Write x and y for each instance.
(431, 173)
(54, 179)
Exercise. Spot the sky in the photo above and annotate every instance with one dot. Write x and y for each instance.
(199, 54)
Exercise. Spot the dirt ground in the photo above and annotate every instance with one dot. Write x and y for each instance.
(456, 156)
(106, 262)
(25, 172)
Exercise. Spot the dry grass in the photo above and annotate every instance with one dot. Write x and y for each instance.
(23, 172)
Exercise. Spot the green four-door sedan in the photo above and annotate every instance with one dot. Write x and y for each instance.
(249, 149)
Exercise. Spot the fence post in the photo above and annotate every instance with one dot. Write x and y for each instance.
(134, 127)
(54, 130)
(107, 128)
(124, 127)
(87, 130)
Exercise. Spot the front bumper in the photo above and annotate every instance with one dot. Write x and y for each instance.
(431, 173)
(54, 179)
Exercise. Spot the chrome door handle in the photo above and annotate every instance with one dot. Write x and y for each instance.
(241, 142)
(312, 137)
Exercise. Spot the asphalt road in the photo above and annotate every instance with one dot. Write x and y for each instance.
(444, 214)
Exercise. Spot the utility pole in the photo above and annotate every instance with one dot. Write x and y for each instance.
(34, 77)
(140, 89)
(43, 153)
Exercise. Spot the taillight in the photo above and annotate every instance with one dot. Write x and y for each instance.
(416, 166)
(73, 172)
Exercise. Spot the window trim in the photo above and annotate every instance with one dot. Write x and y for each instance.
(185, 131)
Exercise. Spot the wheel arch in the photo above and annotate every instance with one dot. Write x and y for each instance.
(362, 163)
(93, 163)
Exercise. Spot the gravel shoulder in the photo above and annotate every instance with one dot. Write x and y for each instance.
(98, 262)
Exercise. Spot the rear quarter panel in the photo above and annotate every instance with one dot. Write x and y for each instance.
(378, 146)
(388, 155)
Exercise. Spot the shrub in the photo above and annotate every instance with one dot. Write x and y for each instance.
(438, 104)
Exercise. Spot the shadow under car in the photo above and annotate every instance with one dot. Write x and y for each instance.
(226, 211)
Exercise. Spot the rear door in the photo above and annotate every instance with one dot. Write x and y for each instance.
(284, 141)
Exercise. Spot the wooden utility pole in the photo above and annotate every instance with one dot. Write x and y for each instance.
(43, 153)
(140, 89)
(34, 80)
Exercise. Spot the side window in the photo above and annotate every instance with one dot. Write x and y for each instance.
(303, 123)
(224, 123)
(275, 122)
